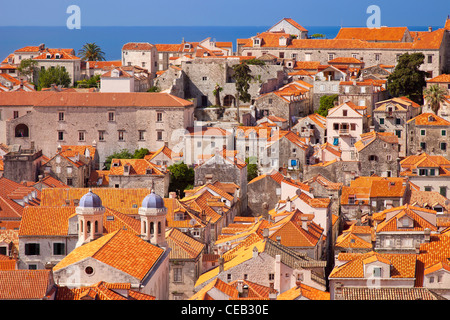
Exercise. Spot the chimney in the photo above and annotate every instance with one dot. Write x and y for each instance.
(304, 220)
(265, 233)
(279, 239)
(172, 195)
(240, 286)
(430, 29)
(427, 232)
(221, 262)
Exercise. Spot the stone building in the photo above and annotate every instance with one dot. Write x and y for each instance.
(428, 172)
(312, 127)
(138, 173)
(224, 169)
(428, 133)
(141, 54)
(264, 192)
(357, 43)
(115, 121)
(366, 195)
(363, 93)
(21, 164)
(286, 150)
(392, 116)
(69, 166)
(288, 25)
(185, 264)
(442, 80)
(403, 229)
(378, 154)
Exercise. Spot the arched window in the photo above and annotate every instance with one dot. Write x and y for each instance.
(152, 231)
(96, 226)
(228, 100)
(88, 227)
(159, 227)
(144, 226)
(22, 131)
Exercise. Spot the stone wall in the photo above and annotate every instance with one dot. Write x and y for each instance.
(386, 159)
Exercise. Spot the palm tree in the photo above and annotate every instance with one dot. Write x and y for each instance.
(434, 95)
(91, 52)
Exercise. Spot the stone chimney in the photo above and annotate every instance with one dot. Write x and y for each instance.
(172, 195)
(430, 29)
(427, 234)
(304, 220)
(221, 262)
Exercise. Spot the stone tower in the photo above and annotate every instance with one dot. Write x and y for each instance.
(90, 213)
(153, 219)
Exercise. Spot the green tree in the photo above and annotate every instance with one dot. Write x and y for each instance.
(182, 178)
(435, 95)
(406, 79)
(153, 89)
(92, 82)
(27, 68)
(125, 154)
(242, 78)
(56, 75)
(252, 168)
(326, 103)
(216, 92)
(91, 52)
(317, 36)
(255, 62)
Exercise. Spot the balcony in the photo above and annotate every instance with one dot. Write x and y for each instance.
(344, 132)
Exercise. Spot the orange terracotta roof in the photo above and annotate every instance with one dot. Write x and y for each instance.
(402, 265)
(101, 291)
(24, 284)
(429, 119)
(303, 291)
(183, 246)
(424, 160)
(138, 46)
(373, 34)
(92, 99)
(419, 223)
(102, 64)
(51, 54)
(369, 137)
(121, 249)
(345, 60)
(295, 24)
(136, 167)
(442, 78)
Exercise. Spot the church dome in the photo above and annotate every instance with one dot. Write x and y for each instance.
(153, 201)
(90, 200)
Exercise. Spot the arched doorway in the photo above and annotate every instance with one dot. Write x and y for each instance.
(22, 131)
(228, 100)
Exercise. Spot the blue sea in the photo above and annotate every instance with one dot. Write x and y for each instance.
(111, 39)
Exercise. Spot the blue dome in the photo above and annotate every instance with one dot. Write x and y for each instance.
(90, 200)
(153, 201)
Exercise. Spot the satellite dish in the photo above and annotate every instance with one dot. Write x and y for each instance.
(298, 192)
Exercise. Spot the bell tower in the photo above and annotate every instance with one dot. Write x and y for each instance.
(90, 213)
(153, 219)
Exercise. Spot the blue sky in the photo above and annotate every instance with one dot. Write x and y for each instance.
(222, 12)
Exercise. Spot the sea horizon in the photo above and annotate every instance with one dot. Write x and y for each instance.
(112, 38)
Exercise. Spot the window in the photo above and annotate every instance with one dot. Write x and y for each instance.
(377, 57)
(335, 126)
(398, 121)
(32, 249)
(389, 157)
(330, 56)
(443, 133)
(32, 266)
(159, 135)
(431, 279)
(344, 113)
(61, 116)
(307, 56)
(363, 89)
(15, 114)
(101, 135)
(432, 172)
(229, 277)
(177, 274)
(59, 249)
(271, 276)
(422, 132)
(430, 58)
(89, 270)
(204, 78)
(443, 146)
(398, 133)
(159, 117)
(281, 55)
(121, 135)
(143, 64)
(81, 136)
(60, 135)
(353, 126)
(423, 172)
(443, 191)
(141, 135)
(111, 116)
(423, 145)
(381, 120)
(377, 272)
(373, 158)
